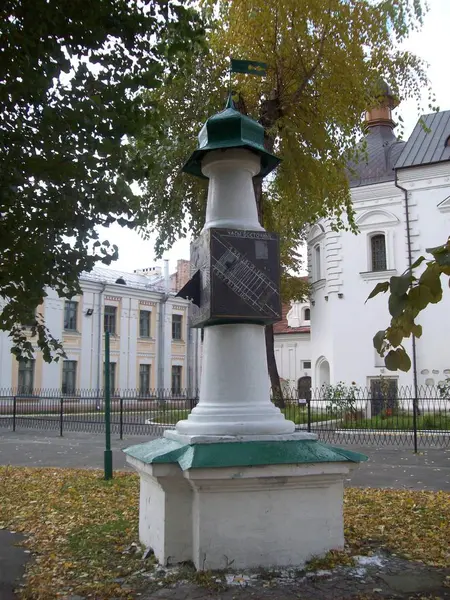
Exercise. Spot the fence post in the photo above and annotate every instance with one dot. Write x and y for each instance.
(308, 404)
(14, 412)
(61, 415)
(415, 422)
(121, 418)
(108, 467)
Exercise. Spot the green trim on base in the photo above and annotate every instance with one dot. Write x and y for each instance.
(240, 454)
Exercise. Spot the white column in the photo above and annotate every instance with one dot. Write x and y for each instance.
(167, 347)
(231, 198)
(89, 341)
(234, 390)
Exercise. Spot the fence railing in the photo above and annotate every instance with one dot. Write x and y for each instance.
(354, 419)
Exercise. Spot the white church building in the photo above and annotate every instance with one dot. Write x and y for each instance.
(401, 198)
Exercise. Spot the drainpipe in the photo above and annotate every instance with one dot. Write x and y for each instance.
(99, 343)
(414, 352)
(161, 331)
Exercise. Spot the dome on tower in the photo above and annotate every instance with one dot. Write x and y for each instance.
(380, 148)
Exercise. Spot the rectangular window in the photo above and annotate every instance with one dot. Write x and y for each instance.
(378, 250)
(31, 320)
(112, 378)
(177, 322)
(69, 377)
(70, 315)
(383, 393)
(306, 364)
(144, 323)
(176, 379)
(26, 376)
(144, 379)
(110, 319)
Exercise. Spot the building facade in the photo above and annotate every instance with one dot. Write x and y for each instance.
(151, 345)
(401, 198)
(292, 341)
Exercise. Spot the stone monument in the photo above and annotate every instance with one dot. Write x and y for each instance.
(234, 485)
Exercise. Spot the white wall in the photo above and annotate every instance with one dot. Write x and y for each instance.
(428, 190)
(291, 351)
(342, 324)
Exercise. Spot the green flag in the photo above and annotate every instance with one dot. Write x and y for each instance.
(249, 67)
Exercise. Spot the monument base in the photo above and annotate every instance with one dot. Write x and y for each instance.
(242, 504)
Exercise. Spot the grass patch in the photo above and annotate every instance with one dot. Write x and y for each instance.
(169, 417)
(82, 528)
(299, 415)
(401, 422)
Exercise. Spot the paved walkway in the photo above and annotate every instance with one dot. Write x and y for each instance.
(389, 466)
(13, 559)
(375, 577)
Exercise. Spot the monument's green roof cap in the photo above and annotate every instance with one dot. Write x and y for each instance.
(230, 129)
(250, 454)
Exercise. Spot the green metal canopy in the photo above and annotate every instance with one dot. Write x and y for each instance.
(230, 129)
(240, 454)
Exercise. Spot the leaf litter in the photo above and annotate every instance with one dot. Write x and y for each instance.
(83, 530)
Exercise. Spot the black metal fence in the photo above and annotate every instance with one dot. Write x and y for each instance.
(357, 417)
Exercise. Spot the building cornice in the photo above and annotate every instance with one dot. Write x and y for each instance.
(376, 193)
(425, 177)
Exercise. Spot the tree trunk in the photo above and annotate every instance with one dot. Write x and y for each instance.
(277, 392)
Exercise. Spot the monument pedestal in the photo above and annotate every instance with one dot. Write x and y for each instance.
(240, 504)
(234, 486)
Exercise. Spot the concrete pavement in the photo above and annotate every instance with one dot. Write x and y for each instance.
(13, 560)
(388, 466)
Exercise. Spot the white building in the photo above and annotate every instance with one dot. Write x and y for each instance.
(151, 344)
(401, 197)
(293, 348)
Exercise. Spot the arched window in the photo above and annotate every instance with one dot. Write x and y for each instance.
(378, 252)
(317, 269)
(307, 315)
(304, 388)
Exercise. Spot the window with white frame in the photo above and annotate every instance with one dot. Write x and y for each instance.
(70, 315)
(25, 381)
(177, 371)
(306, 364)
(378, 254)
(69, 377)
(110, 319)
(307, 314)
(144, 379)
(30, 321)
(144, 323)
(177, 327)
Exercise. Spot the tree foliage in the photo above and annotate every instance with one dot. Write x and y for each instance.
(409, 295)
(325, 60)
(69, 75)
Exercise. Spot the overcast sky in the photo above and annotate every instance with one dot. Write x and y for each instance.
(430, 44)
